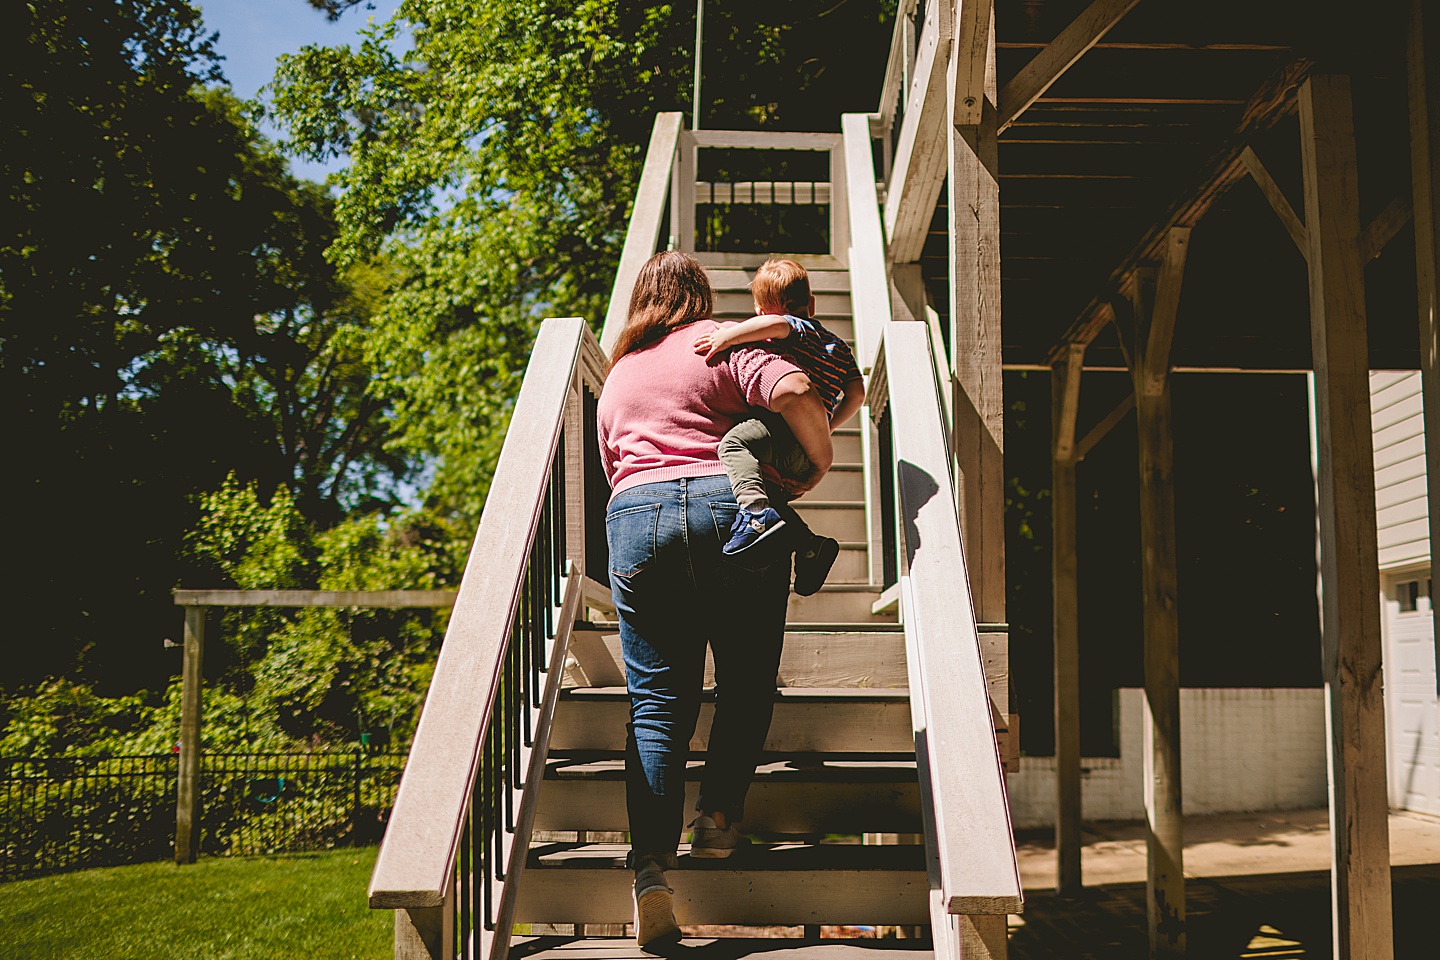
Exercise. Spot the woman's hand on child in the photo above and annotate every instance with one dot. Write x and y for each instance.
(710, 343)
(798, 488)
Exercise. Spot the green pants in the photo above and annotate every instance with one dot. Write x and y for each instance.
(765, 440)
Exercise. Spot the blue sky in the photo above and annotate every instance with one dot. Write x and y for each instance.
(253, 33)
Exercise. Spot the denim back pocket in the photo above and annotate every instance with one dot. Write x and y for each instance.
(723, 512)
(631, 533)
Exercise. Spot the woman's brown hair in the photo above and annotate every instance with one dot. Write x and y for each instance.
(671, 291)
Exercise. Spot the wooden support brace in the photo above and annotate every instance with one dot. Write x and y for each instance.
(1098, 432)
(1380, 231)
(1059, 55)
(1275, 197)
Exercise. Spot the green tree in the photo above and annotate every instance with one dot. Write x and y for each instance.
(493, 164)
(166, 315)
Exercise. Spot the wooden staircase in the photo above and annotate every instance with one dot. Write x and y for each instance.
(509, 824)
(840, 758)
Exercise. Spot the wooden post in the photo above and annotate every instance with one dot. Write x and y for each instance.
(978, 410)
(983, 936)
(1155, 304)
(682, 196)
(426, 933)
(1349, 565)
(1423, 55)
(187, 792)
(1065, 394)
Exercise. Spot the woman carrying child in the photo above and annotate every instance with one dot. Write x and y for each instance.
(662, 415)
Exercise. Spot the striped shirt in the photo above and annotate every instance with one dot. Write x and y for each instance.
(825, 358)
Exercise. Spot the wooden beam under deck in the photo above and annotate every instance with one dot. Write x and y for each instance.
(1272, 102)
(1059, 55)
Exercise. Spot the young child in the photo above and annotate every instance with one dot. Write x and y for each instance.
(786, 309)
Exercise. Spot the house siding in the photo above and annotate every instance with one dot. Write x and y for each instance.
(1403, 532)
(1398, 423)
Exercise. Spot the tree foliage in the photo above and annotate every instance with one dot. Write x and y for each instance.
(167, 314)
(493, 161)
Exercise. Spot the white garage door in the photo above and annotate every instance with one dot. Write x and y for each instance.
(1411, 716)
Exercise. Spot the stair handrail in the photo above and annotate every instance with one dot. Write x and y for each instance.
(521, 590)
(970, 845)
(869, 276)
(646, 216)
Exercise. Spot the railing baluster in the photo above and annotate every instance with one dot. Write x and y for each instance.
(463, 906)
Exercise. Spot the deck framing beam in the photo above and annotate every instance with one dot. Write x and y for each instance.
(1059, 55)
(1272, 101)
(1349, 564)
(1423, 68)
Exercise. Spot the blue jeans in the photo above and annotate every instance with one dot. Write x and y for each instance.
(675, 593)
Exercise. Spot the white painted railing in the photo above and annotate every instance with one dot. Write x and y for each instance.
(869, 274)
(975, 879)
(458, 835)
(645, 220)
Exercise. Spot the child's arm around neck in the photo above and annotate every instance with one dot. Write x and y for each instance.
(765, 327)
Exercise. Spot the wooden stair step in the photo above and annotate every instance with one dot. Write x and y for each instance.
(869, 655)
(738, 279)
(788, 883)
(728, 948)
(847, 602)
(830, 305)
(845, 481)
(806, 720)
(808, 795)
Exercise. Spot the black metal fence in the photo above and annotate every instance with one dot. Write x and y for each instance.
(68, 813)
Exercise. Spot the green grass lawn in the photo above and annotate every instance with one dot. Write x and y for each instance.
(308, 906)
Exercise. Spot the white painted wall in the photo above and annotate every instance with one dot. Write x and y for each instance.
(1241, 749)
(1412, 716)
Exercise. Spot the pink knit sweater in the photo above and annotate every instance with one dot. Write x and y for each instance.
(664, 409)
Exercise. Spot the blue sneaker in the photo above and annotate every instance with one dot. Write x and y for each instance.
(750, 528)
